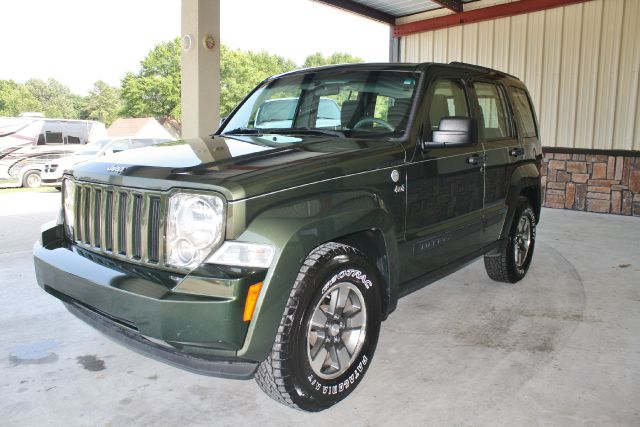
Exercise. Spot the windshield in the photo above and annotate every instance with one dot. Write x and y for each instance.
(93, 147)
(351, 103)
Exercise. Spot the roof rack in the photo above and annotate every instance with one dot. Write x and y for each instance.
(481, 68)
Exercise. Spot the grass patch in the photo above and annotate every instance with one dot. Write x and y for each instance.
(28, 190)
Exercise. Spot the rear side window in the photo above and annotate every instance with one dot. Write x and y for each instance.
(524, 113)
(492, 107)
(120, 145)
(139, 143)
(449, 100)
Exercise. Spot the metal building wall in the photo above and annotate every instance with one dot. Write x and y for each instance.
(581, 64)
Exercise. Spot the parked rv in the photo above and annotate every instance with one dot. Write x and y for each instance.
(28, 142)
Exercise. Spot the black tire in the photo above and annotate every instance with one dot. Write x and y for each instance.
(286, 375)
(505, 267)
(31, 179)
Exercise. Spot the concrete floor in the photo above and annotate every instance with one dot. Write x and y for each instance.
(562, 347)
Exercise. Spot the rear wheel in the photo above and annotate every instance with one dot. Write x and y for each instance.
(32, 179)
(328, 331)
(512, 264)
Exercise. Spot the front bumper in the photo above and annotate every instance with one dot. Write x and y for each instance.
(137, 306)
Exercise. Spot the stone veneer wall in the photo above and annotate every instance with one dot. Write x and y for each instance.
(593, 181)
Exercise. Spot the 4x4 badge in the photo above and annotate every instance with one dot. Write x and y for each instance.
(116, 169)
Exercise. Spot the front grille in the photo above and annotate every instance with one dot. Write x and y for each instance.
(120, 222)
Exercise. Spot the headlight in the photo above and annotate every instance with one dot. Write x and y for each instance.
(69, 202)
(194, 226)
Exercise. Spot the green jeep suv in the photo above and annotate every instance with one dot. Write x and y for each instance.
(275, 248)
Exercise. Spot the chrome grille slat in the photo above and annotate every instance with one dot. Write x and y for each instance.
(96, 208)
(122, 228)
(136, 226)
(120, 222)
(153, 227)
(108, 221)
(88, 215)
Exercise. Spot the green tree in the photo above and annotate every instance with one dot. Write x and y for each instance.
(155, 90)
(241, 71)
(16, 99)
(55, 99)
(103, 103)
(317, 59)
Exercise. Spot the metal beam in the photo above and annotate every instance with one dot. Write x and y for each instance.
(394, 47)
(361, 9)
(454, 5)
(484, 14)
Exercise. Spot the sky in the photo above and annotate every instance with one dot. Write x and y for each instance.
(80, 41)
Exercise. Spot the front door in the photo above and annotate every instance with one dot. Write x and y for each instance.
(445, 189)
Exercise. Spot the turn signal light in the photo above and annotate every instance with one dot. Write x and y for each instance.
(252, 298)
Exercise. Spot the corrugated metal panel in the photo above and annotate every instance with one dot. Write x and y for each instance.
(470, 43)
(570, 64)
(587, 83)
(455, 44)
(628, 79)
(552, 53)
(610, 37)
(581, 64)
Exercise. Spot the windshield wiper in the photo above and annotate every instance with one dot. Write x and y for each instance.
(244, 131)
(308, 131)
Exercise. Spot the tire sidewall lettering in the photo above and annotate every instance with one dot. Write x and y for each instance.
(344, 384)
(352, 273)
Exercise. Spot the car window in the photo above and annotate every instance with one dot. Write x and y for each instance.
(492, 107)
(51, 133)
(524, 113)
(120, 145)
(74, 133)
(63, 132)
(355, 103)
(449, 100)
(145, 142)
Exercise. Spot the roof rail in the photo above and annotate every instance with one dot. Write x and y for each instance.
(481, 68)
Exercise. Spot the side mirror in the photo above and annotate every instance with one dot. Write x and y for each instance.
(454, 132)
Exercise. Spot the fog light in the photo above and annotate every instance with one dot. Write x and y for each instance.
(243, 255)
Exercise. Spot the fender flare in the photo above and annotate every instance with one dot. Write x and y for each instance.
(295, 229)
(524, 176)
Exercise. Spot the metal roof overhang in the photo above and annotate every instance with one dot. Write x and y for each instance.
(388, 11)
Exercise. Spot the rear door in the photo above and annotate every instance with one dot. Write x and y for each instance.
(444, 189)
(502, 149)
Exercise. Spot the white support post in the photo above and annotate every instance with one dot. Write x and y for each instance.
(200, 67)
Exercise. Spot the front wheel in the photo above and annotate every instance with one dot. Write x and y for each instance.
(32, 179)
(328, 331)
(512, 264)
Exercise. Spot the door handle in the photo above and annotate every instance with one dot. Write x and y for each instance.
(477, 159)
(515, 152)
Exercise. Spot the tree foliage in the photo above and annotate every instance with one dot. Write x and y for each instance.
(155, 90)
(317, 59)
(15, 98)
(241, 71)
(56, 99)
(49, 97)
(103, 103)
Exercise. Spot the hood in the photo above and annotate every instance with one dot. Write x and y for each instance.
(241, 167)
(69, 161)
